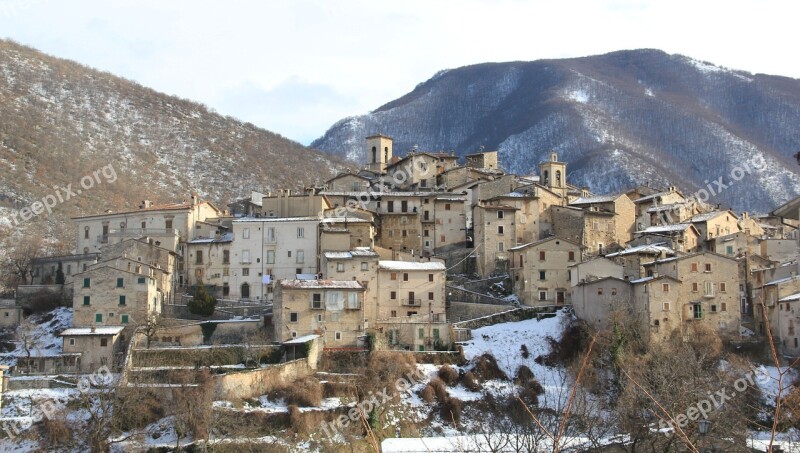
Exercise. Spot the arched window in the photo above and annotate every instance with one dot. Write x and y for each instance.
(245, 291)
(546, 176)
(386, 154)
(374, 154)
(558, 178)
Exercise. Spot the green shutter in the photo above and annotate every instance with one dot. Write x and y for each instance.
(86, 300)
(124, 319)
(120, 282)
(98, 317)
(122, 300)
(86, 282)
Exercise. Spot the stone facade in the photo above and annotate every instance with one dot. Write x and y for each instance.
(541, 271)
(408, 289)
(495, 233)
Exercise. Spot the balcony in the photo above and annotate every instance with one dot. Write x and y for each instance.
(412, 302)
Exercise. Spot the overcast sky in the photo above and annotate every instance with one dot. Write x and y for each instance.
(297, 66)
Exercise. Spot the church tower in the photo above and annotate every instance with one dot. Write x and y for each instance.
(379, 152)
(553, 175)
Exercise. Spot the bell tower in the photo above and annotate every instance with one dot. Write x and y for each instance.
(379, 152)
(553, 174)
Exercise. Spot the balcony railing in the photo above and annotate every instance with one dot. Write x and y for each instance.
(412, 302)
(134, 232)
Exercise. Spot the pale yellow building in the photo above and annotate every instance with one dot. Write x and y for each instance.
(94, 347)
(541, 271)
(410, 289)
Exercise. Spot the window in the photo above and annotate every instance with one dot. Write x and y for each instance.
(198, 257)
(613, 291)
(226, 257)
(245, 256)
(421, 333)
(542, 295)
(103, 342)
(447, 206)
(337, 336)
(708, 267)
(86, 300)
(500, 214)
(124, 319)
(98, 317)
(713, 308)
(722, 287)
(246, 233)
(665, 306)
(599, 291)
(501, 246)
(697, 311)
(542, 275)
(168, 224)
(709, 287)
(364, 266)
(393, 276)
(87, 282)
(390, 206)
(404, 206)
(301, 232)
(541, 255)
(430, 277)
(289, 254)
(665, 287)
(86, 232)
(405, 233)
(316, 301)
(120, 282)
(141, 280)
(405, 276)
(436, 334)
(301, 256)
(245, 272)
(426, 233)
(122, 300)
(595, 225)
(729, 250)
(394, 314)
(339, 267)
(270, 256)
(723, 306)
(500, 229)
(393, 295)
(694, 267)
(72, 342)
(293, 316)
(571, 256)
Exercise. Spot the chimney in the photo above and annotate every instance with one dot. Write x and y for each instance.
(146, 204)
(93, 330)
(584, 192)
(195, 198)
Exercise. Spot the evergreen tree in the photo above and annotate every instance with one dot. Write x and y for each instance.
(202, 303)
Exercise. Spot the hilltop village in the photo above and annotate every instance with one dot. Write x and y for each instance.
(401, 256)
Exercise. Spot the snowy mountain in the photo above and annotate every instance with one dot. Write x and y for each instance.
(60, 121)
(618, 120)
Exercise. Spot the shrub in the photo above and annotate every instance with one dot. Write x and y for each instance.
(306, 392)
(470, 383)
(202, 304)
(448, 375)
(450, 410)
(439, 389)
(428, 394)
(524, 375)
(486, 368)
(524, 350)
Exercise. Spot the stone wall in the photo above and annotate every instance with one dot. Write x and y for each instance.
(252, 383)
(464, 311)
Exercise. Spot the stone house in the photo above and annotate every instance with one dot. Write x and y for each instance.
(707, 288)
(94, 347)
(409, 289)
(348, 182)
(266, 249)
(333, 309)
(360, 265)
(169, 225)
(595, 300)
(715, 224)
(633, 258)
(594, 269)
(532, 217)
(681, 237)
(770, 293)
(541, 271)
(621, 223)
(400, 221)
(45, 269)
(210, 264)
(108, 296)
(494, 234)
(595, 231)
(10, 313)
(293, 204)
(486, 160)
(418, 170)
(444, 228)
(788, 317)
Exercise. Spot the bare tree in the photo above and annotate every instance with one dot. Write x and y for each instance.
(29, 338)
(18, 264)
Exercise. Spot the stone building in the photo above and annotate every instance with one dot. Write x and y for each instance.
(408, 289)
(332, 309)
(94, 347)
(494, 234)
(715, 224)
(541, 271)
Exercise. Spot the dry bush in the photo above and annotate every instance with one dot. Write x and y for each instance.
(306, 392)
(439, 389)
(383, 369)
(448, 375)
(469, 382)
(450, 410)
(305, 422)
(428, 394)
(524, 351)
(56, 430)
(524, 375)
(573, 343)
(485, 368)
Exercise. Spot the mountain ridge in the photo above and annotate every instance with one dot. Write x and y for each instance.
(619, 119)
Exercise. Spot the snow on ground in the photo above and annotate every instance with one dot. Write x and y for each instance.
(505, 341)
(766, 377)
(48, 343)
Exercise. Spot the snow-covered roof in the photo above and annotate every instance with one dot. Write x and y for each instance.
(411, 266)
(666, 228)
(655, 249)
(227, 237)
(780, 280)
(595, 199)
(665, 207)
(92, 331)
(301, 340)
(276, 219)
(790, 298)
(321, 284)
(351, 254)
(707, 216)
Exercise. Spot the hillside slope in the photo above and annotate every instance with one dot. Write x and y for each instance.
(618, 120)
(60, 121)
